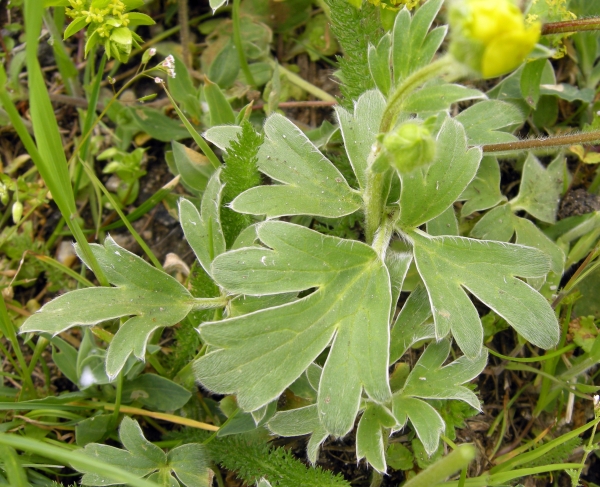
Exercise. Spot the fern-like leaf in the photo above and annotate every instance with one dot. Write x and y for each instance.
(253, 459)
(239, 174)
(354, 29)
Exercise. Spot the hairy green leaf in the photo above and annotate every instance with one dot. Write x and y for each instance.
(202, 229)
(452, 170)
(437, 96)
(412, 46)
(154, 298)
(301, 421)
(484, 190)
(484, 120)
(140, 457)
(429, 380)
(450, 266)
(369, 435)
(426, 421)
(379, 64)
(258, 355)
(312, 184)
(359, 130)
(540, 189)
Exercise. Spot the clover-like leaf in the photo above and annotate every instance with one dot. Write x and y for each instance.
(360, 129)
(450, 266)
(140, 457)
(428, 192)
(202, 229)
(258, 355)
(312, 184)
(540, 189)
(152, 297)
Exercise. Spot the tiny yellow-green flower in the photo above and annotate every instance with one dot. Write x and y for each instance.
(491, 36)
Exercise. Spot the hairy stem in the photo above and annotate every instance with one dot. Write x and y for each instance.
(374, 201)
(578, 25)
(208, 303)
(444, 65)
(558, 141)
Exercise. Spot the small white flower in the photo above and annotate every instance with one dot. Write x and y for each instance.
(171, 72)
(169, 62)
(151, 52)
(158, 80)
(596, 400)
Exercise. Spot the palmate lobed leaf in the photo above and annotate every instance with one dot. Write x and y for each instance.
(188, 462)
(258, 355)
(312, 184)
(154, 298)
(450, 266)
(429, 380)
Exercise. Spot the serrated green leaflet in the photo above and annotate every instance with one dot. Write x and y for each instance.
(452, 170)
(312, 184)
(450, 266)
(259, 354)
(360, 129)
(154, 298)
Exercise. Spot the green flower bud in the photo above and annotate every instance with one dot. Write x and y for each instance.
(410, 146)
(17, 211)
(491, 38)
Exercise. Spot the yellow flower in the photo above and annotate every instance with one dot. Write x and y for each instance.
(491, 37)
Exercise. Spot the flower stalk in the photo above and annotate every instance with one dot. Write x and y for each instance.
(578, 25)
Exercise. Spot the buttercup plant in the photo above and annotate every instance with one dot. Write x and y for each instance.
(315, 314)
